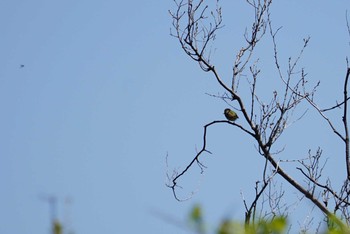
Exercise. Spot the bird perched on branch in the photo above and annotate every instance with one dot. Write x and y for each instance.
(230, 114)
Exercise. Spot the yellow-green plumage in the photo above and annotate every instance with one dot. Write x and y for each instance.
(230, 114)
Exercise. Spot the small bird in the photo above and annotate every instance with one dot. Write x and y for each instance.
(21, 66)
(230, 114)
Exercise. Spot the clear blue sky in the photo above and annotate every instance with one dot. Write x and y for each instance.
(105, 93)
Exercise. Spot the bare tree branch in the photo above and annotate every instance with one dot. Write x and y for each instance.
(173, 183)
(195, 27)
(345, 121)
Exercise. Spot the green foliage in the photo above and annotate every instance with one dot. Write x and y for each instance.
(57, 227)
(228, 227)
(336, 226)
(196, 219)
(276, 225)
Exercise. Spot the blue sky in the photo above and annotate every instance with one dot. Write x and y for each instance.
(105, 93)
